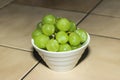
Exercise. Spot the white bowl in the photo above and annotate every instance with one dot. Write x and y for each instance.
(62, 61)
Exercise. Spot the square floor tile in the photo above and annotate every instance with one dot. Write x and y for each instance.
(102, 25)
(109, 7)
(100, 63)
(74, 5)
(14, 64)
(18, 21)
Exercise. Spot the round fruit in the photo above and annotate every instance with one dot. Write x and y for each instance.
(65, 47)
(52, 45)
(74, 39)
(41, 41)
(72, 26)
(63, 24)
(75, 47)
(49, 19)
(36, 33)
(82, 34)
(62, 37)
(48, 29)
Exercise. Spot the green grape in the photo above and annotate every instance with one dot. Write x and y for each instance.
(63, 24)
(48, 29)
(74, 39)
(62, 37)
(36, 33)
(49, 19)
(57, 19)
(75, 47)
(52, 45)
(56, 29)
(41, 41)
(65, 47)
(72, 26)
(83, 35)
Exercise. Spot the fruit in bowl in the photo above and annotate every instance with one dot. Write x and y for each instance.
(59, 42)
(55, 32)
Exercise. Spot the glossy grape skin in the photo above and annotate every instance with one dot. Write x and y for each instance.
(49, 19)
(63, 24)
(36, 33)
(41, 41)
(64, 47)
(72, 26)
(83, 35)
(52, 45)
(62, 37)
(48, 29)
(74, 39)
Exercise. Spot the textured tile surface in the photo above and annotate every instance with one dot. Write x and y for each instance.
(4, 3)
(14, 64)
(74, 5)
(102, 25)
(101, 63)
(109, 8)
(17, 23)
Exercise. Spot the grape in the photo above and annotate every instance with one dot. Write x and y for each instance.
(72, 26)
(65, 47)
(52, 45)
(41, 41)
(75, 47)
(49, 19)
(82, 34)
(63, 24)
(74, 39)
(62, 37)
(36, 33)
(48, 29)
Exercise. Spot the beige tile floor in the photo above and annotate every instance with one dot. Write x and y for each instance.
(14, 64)
(17, 58)
(102, 25)
(72, 5)
(108, 8)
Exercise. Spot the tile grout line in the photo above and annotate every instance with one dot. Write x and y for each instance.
(15, 48)
(25, 51)
(97, 14)
(105, 36)
(72, 10)
(89, 12)
(53, 8)
(29, 70)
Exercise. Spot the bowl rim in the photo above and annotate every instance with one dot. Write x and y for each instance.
(64, 52)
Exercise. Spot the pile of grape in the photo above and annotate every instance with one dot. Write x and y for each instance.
(58, 34)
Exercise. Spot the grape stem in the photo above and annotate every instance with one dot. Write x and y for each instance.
(53, 36)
